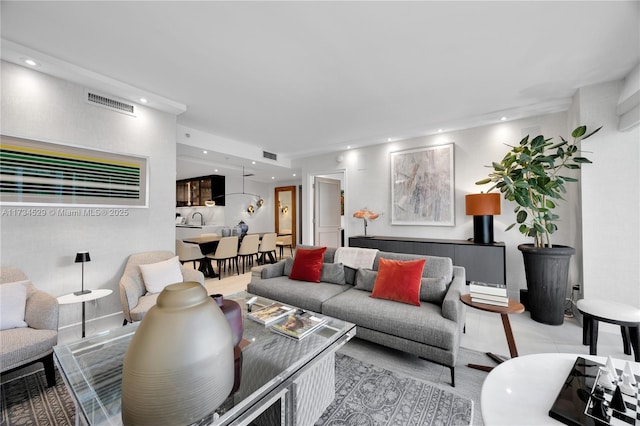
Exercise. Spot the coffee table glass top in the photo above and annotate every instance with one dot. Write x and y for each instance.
(92, 367)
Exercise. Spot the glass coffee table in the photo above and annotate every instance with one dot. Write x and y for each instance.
(282, 381)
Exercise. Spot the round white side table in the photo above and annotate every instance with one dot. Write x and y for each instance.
(87, 297)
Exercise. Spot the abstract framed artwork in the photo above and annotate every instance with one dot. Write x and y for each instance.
(422, 186)
(43, 173)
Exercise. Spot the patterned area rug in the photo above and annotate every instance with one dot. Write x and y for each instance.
(367, 395)
(28, 401)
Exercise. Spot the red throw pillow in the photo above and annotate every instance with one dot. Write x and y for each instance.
(307, 264)
(399, 281)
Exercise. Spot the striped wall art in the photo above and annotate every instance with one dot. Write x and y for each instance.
(35, 173)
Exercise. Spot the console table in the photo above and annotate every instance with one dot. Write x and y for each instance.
(482, 262)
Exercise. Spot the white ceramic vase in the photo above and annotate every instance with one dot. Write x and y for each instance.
(179, 365)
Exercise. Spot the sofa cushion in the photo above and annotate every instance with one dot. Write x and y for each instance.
(19, 346)
(307, 265)
(158, 275)
(365, 278)
(433, 290)
(399, 281)
(328, 254)
(424, 324)
(332, 273)
(13, 301)
(435, 267)
(295, 293)
(349, 275)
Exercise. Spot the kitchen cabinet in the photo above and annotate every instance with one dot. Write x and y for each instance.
(196, 191)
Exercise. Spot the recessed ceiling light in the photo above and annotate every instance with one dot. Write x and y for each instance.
(204, 152)
(294, 175)
(439, 130)
(253, 162)
(504, 119)
(215, 170)
(143, 100)
(389, 139)
(273, 177)
(348, 146)
(30, 62)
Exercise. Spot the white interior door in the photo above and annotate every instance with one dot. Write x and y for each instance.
(326, 210)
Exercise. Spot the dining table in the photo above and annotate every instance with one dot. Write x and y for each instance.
(208, 244)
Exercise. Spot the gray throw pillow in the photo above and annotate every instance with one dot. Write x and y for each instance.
(365, 279)
(349, 275)
(288, 265)
(332, 273)
(433, 290)
(272, 270)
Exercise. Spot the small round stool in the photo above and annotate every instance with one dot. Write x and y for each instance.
(626, 316)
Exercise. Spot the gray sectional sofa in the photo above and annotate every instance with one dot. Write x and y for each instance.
(431, 331)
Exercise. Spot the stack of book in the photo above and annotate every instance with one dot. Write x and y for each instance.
(270, 314)
(299, 325)
(488, 293)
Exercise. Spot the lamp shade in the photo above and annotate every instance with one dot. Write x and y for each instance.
(482, 204)
(83, 256)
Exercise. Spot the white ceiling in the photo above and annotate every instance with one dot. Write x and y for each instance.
(301, 78)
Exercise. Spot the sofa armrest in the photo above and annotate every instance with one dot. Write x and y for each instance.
(452, 308)
(268, 271)
(190, 274)
(41, 311)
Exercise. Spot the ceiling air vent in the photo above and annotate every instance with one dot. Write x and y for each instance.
(109, 103)
(270, 155)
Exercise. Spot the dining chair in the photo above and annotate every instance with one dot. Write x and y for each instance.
(188, 252)
(248, 249)
(227, 250)
(268, 247)
(284, 241)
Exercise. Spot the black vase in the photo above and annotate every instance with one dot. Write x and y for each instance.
(547, 273)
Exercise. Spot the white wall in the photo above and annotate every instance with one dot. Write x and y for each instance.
(40, 107)
(610, 200)
(367, 184)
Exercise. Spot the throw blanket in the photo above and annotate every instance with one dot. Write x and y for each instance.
(355, 257)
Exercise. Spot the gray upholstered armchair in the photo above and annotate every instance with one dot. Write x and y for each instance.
(133, 293)
(34, 343)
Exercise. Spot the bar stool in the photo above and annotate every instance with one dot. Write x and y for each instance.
(626, 316)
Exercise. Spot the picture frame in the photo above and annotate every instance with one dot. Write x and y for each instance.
(37, 173)
(422, 186)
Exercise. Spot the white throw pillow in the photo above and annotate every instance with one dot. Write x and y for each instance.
(157, 276)
(13, 301)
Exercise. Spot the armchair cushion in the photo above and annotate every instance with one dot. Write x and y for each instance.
(13, 301)
(157, 276)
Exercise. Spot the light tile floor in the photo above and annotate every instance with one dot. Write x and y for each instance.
(485, 333)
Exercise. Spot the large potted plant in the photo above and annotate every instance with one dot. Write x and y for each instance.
(531, 175)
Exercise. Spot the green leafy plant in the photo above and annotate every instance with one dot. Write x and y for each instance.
(531, 175)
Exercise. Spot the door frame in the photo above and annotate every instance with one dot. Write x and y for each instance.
(340, 174)
(292, 210)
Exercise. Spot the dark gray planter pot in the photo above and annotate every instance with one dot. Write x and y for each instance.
(547, 273)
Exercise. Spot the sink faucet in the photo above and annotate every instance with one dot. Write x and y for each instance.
(201, 217)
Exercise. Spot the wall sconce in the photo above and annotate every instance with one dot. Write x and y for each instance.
(251, 209)
(260, 203)
(482, 207)
(285, 210)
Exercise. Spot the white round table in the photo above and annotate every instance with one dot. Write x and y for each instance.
(522, 390)
(73, 298)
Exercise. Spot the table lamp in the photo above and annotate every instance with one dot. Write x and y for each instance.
(82, 257)
(482, 207)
